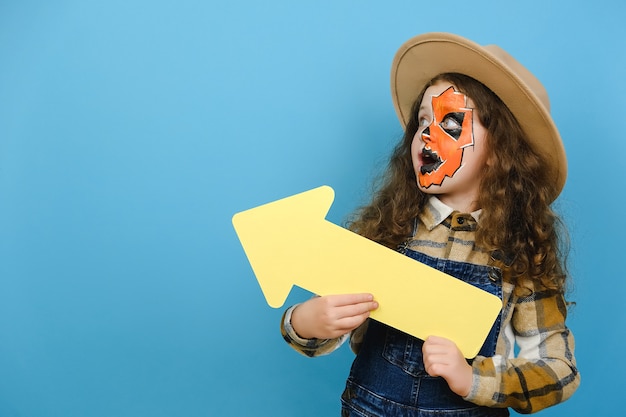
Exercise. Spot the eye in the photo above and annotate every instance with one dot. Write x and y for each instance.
(452, 122)
(423, 121)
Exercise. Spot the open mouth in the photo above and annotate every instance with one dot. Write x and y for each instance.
(430, 161)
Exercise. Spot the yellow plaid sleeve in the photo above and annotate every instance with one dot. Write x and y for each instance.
(543, 373)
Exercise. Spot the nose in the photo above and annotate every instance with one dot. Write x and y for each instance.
(426, 135)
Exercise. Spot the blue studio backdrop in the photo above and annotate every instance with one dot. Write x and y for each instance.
(131, 132)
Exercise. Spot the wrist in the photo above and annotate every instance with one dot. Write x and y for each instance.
(297, 325)
(468, 382)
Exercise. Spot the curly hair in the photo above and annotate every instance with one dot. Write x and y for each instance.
(515, 195)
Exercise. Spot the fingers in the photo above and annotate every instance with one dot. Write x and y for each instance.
(438, 353)
(348, 311)
(438, 342)
(332, 316)
(349, 299)
(347, 305)
(443, 358)
(352, 310)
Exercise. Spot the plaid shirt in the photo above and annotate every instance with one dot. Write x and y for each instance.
(543, 373)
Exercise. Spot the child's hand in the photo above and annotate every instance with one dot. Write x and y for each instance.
(443, 358)
(331, 316)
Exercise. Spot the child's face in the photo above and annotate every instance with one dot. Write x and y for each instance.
(448, 149)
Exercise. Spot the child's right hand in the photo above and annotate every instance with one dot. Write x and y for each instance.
(331, 316)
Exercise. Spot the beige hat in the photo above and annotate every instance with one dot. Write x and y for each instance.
(423, 57)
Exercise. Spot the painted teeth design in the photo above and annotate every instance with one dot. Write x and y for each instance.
(430, 161)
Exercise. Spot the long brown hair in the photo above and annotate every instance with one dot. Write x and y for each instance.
(517, 224)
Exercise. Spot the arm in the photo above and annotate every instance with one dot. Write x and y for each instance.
(544, 372)
(321, 324)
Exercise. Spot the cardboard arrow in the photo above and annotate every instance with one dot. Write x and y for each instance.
(289, 242)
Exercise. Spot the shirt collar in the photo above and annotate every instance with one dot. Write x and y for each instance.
(436, 212)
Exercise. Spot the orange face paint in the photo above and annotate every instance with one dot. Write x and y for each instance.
(445, 137)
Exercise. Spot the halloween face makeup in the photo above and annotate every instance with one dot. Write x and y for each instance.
(445, 137)
(448, 148)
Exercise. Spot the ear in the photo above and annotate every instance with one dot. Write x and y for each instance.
(489, 160)
(491, 155)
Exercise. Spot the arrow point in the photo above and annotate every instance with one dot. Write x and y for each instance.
(268, 232)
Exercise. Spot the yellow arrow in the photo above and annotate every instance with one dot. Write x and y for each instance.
(289, 242)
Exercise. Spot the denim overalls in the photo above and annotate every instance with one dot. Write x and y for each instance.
(388, 377)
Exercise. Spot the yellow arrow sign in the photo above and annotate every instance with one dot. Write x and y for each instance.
(289, 242)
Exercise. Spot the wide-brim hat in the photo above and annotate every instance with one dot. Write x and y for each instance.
(423, 57)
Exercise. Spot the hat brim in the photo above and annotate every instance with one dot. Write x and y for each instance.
(423, 57)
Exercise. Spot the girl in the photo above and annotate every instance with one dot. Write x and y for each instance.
(468, 191)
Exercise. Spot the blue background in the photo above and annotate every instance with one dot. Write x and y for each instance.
(131, 132)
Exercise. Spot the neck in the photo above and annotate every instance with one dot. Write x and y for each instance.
(464, 205)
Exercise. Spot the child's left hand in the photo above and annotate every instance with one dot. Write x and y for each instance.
(443, 358)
